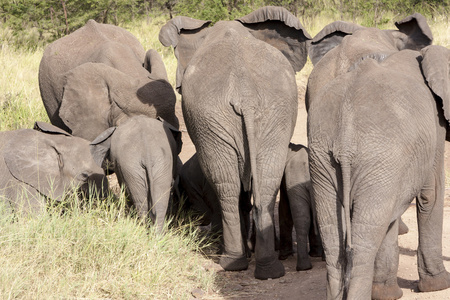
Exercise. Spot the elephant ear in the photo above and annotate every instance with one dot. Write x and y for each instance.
(33, 159)
(436, 70)
(329, 37)
(281, 29)
(100, 149)
(154, 64)
(175, 132)
(94, 96)
(49, 128)
(414, 33)
(185, 35)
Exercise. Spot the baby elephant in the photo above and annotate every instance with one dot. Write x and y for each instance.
(143, 153)
(45, 163)
(296, 208)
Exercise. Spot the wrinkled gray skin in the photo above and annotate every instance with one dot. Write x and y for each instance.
(378, 109)
(201, 200)
(46, 163)
(295, 205)
(296, 209)
(99, 76)
(143, 152)
(240, 108)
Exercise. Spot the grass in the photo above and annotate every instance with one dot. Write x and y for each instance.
(99, 250)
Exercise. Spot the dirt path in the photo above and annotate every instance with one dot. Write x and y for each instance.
(312, 284)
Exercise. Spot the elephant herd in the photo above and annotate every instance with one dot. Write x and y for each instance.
(378, 104)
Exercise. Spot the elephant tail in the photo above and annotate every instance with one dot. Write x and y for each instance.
(346, 202)
(249, 123)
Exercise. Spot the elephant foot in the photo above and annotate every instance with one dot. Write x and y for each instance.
(382, 291)
(434, 283)
(229, 263)
(304, 264)
(272, 269)
(285, 253)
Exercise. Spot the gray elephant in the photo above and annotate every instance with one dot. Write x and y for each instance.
(99, 76)
(296, 208)
(143, 152)
(46, 164)
(378, 109)
(237, 80)
(197, 196)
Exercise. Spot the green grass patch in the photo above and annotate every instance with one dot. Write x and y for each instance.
(98, 250)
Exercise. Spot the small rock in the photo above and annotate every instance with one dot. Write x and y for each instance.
(197, 293)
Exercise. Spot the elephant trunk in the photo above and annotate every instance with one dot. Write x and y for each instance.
(96, 186)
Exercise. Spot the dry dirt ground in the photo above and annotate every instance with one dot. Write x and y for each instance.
(312, 284)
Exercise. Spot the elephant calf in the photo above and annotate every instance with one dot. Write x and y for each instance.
(143, 153)
(45, 163)
(296, 208)
(295, 205)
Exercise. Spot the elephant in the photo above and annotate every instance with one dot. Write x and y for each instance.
(239, 102)
(296, 208)
(99, 76)
(378, 111)
(143, 152)
(45, 164)
(201, 201)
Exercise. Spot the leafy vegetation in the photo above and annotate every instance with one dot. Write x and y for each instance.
(37, 22)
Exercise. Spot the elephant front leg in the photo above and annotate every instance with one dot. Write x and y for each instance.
(286, 225)
(386, 265)
(432, 273)
(300, 208)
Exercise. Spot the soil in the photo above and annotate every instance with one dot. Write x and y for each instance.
(311, 284)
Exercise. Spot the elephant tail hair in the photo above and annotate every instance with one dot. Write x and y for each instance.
(346, 186)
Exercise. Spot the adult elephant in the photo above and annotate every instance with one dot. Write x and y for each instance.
(237, 79)
(378, 109)
(143, 151)
(46, 164)
(98, 77)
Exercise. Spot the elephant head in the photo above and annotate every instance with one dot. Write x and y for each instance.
(143, 152)
(274, 25)
(50, 162)
(357, 43)
(99, 76)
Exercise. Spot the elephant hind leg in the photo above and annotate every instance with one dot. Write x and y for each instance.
(267, 263)
(430, 210)
(386, 265)
(223, 175)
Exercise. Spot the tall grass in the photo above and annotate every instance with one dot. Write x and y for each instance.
(97, 251)
(20, 100)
